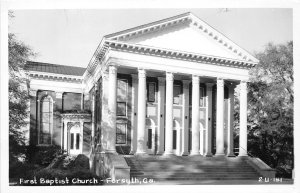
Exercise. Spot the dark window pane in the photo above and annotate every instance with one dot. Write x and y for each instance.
(174, 138)
(77, 140)
(176, 94)
(121, 109)
(46, 120)
(149, 138)
(121, 133)
(72, 141)
(122, 90)
(151, 92)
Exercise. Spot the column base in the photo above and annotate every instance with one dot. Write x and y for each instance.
(230, 155)
(208, 155)
(185, 153)
(243, 155)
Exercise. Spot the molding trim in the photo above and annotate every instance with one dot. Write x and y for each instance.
(55, 77)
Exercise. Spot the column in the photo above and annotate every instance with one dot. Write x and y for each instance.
(33, 94)
(112, 107)
(104, 112)
(58, 121)
(65, 135)
(81, 136)
(93, 121)
(169, 114)
(161, 112)
(220, 118)
(208, 135)
(230, 149)
(185, 117)
(195, 116)
(134, 101)
(141, 143)
(243, 119)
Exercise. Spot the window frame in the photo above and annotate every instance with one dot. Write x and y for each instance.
(125, 134)
(41, 121)
(148, 92)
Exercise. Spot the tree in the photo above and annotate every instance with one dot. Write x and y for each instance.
(19, 53)
(270, 103)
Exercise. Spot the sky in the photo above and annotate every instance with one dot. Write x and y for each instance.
(70, 37)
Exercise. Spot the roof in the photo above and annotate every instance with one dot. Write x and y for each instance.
(54, 68)
(122, 36)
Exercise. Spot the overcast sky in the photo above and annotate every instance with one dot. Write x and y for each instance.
(70, 37)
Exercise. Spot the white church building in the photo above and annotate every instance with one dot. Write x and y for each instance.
(160, 94)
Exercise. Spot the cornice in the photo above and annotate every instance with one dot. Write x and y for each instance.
(54, 77)
(176, 54)
(76, 116)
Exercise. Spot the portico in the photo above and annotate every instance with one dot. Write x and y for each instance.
(171, 125)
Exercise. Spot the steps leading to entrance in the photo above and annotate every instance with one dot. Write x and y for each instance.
(183, 168)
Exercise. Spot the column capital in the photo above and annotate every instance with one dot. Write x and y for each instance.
(186, 82)
(169, 76)
(58, 95)
(195, 79)
(220, 82)
(33, 92)
(105, 74)
(142, 73)
(112, 69)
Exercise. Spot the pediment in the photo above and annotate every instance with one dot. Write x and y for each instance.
(185, 33)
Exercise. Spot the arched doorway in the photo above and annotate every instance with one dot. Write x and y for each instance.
(177, 137)
(75, 138)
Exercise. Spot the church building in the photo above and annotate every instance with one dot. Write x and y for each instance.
(163, 89)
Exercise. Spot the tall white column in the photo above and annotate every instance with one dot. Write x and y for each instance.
(65, 135)
(208, 135)
(220, 118)
(230, 150)
(112, 108)
(134, 101)
(243, 119)
(93, 122)
(161, 112)
(195, 116)
(185, 117)
(169, 114)
(141, 143)
(104, 113)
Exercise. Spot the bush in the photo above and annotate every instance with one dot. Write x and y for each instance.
(43, 155)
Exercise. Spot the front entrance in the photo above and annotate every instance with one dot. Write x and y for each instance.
(75, 140)
(151, 141)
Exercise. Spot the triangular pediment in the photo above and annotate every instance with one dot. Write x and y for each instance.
(185, 33)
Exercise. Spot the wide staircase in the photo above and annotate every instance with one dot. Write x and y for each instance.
(190, 168)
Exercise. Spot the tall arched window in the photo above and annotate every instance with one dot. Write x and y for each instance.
(46, 121)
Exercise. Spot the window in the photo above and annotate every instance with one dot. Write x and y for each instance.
(151, 92)
(202, 97)
(46, 120)
(122, 98)
(176, 94)
(121, 133)
(121, 109)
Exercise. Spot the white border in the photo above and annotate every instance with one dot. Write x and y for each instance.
(113, 4)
